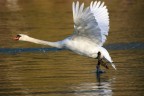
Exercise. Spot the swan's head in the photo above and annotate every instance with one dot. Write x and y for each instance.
(21, 37)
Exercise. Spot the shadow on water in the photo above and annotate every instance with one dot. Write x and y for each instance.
(21, 50)
(120, 46)
(125, 46)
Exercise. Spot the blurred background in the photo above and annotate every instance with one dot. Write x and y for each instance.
(28, 69)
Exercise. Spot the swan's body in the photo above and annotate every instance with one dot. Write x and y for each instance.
(91, 25)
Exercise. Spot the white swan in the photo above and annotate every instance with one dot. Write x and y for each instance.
(91, 25)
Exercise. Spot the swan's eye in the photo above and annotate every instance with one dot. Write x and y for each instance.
(18, 36)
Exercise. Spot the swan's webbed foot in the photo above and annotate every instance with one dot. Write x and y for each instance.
(104, 64)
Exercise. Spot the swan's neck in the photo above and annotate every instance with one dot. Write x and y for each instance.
(57, 44)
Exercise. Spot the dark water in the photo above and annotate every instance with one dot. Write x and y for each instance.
(34, 70)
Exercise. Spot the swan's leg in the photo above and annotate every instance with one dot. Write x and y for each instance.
(99, 63)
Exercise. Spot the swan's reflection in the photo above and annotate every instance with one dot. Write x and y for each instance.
(100, 88)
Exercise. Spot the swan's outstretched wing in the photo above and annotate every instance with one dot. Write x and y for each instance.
(91, 23)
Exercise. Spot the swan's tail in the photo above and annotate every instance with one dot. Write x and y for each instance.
(107, 57)
(113, 65)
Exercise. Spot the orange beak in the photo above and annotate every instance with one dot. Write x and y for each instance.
(17, 37)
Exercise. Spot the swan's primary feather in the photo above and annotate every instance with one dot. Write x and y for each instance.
(91, 23)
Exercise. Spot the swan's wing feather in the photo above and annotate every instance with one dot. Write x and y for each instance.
(91, 23)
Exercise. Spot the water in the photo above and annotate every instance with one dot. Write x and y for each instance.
(35, 70)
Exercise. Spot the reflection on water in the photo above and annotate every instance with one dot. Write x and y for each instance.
(92, 89)
(28, 69)
(100, 88)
